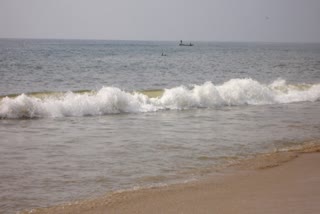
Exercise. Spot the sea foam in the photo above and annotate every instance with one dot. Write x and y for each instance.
(111, 100)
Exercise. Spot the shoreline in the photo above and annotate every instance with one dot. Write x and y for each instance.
(279, 182)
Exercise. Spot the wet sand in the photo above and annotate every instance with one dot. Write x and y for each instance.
(282, 182)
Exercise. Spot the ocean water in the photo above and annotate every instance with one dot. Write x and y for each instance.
(79, 118)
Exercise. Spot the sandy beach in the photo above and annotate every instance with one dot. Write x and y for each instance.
(281, 182)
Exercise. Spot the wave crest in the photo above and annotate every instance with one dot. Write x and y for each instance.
(111, 100)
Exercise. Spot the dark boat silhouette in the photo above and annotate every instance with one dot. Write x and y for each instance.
(183, 44)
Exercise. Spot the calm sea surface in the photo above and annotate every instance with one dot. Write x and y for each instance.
(82, 118)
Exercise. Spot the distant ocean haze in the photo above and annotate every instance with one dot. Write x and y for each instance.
(69, 65)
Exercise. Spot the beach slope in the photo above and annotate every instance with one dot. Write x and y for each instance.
(287, 182)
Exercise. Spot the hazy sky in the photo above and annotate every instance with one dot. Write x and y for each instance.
(212, 20)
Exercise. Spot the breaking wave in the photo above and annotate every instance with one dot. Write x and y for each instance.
(111, 100)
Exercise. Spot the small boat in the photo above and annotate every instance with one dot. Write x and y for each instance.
(183, 44)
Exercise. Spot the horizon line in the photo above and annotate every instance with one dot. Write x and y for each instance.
(165, 40)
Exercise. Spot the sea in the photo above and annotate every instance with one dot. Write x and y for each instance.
(84, 118)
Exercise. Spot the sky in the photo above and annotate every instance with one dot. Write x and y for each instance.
(190, 20)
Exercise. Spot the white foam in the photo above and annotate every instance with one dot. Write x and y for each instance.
(111, 100)
(245, 91)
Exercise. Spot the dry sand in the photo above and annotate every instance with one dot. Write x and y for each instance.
(285, 182)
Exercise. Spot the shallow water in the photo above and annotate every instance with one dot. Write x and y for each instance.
(59, 148)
